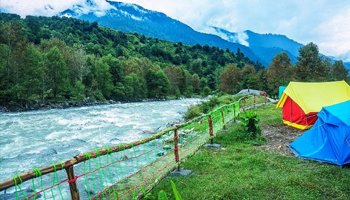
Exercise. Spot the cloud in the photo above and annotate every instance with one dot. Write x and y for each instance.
(324, 22)
(36, 7)
(51, 7)
(334, 35)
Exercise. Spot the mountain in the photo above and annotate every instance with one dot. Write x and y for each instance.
(133, 18)
(136, 19)
(265, 46)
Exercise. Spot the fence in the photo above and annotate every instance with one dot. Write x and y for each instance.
(125, 171)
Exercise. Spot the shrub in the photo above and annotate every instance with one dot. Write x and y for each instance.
(214, 101)
(250, 122)
(192, 112)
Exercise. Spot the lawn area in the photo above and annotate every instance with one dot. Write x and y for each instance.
(243, 170)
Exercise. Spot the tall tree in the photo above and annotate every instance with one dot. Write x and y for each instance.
(177, 79)
(196, 84)
(32, 73)
(4, 72)
(339, 72)
(280, 72)
(250, 78)
(158, 84)
(310, 66)
(57, 73)
(135, 87)
(230, 79)
(115, 67)
(103, 78)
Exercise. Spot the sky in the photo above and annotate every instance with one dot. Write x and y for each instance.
(324, 22)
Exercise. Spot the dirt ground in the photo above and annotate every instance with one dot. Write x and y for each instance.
(278, 137)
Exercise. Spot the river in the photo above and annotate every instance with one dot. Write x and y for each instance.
(40, 138)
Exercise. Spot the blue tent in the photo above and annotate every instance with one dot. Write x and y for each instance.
(329, 139)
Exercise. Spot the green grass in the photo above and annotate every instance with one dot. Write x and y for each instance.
(269, 115)
(244, 171)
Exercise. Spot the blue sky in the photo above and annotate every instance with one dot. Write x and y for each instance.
(324, 22)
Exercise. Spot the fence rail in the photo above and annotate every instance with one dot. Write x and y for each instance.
(171, 146)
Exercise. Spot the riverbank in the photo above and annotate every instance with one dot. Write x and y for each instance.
(36, 105)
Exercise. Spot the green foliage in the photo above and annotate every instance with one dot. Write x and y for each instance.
(192, 112)
(251, 126)
(280, 72)
(162, 195)
(135, 87)
(339, 72)
(206, 91)
(56, 59)
(46, 58)
(157, 83)
(78, 91)
(230, 79)
(175, 191)
(310, 66)
(103, 78)
(204, 107)
(57, 71)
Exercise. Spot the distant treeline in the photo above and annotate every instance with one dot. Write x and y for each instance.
(310, 67)
(52, 59)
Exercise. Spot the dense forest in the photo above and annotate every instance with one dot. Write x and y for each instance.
(52, 59)
(55, 59)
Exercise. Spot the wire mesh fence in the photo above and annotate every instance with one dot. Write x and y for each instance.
(126, 171)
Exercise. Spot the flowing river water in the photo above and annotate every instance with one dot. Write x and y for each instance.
(41, 138)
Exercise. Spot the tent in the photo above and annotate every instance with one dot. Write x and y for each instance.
(300, 102)
(329, 139)
(280, 91)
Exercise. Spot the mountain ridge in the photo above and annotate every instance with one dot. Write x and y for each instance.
(265, 46)
(133, 18)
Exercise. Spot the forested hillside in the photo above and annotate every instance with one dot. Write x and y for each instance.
(52, 59)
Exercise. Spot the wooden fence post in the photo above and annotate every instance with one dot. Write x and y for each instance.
(211, 132)
(176, 147)
(254, 101)
(234, 112)
(72, 183)
(223, 118)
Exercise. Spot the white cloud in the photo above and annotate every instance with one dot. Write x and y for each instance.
(334, 35)
(324, 22)
(36, 7)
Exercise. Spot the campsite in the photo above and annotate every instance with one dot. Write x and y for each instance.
(254, 169)
(174, 100)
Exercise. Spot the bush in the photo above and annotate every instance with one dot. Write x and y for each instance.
(250, 122)
(214, 101)
(192, 112)
(206, 91)
(202, 108)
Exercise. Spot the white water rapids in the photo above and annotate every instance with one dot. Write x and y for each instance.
(41, 138)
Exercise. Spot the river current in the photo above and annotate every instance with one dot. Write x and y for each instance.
(40, 138)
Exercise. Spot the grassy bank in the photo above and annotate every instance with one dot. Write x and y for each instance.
(244, 171)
